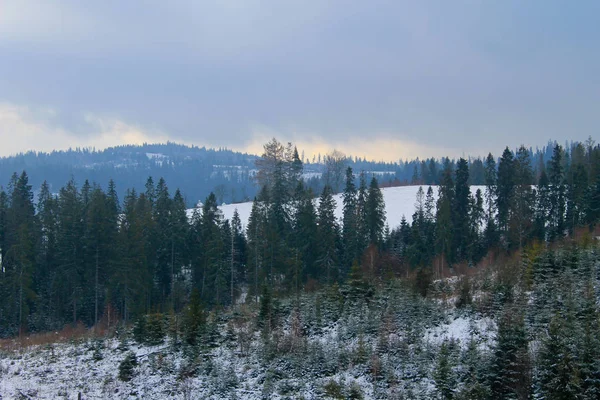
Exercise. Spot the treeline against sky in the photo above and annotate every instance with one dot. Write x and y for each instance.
(83, 255)
(197, 171)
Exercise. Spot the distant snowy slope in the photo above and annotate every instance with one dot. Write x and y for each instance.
(399, 201)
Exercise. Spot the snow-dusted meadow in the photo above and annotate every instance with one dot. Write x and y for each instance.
(399, 202)
(67, 370)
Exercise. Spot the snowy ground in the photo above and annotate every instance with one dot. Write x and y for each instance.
(462, 330)
(399, 202)
(68, 369)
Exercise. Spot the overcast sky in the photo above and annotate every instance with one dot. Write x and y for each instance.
(384, 79)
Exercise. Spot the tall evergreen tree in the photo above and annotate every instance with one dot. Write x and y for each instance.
(306, 240)
(556, 220)
(491, 187)
(505, 189)
(163, 220)
(444, 231)
(362, 214)
(510, 374)
(70, 249)
(256, 233)
(461, 211)
(212, 251)
(46, 312)
(350, 221)
(238, 254)
(375, 213)
(520, 224)
(19, 263)
(328, 234)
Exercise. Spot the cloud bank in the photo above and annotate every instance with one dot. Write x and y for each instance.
(414, 78)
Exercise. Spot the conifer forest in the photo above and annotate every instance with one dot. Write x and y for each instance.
(488, 292)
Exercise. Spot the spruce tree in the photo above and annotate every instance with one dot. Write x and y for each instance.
(350, 220)
(559, 375)
(521, 218)
(542, 208)
(162, 261)
(306, 238)
(70, 250)
(256, 233)
(510, 370)
(505, 189)
(212, 285)
(443, 374)
(375, 213)
(556, 220)
(19, 264)
(444, 231)
(45, 313)
(328, 234)
(461, 211)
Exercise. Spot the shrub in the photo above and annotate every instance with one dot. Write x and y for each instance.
(127, 367)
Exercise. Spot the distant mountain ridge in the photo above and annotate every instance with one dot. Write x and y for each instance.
(195, 170)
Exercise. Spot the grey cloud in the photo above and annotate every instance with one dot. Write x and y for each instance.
(458, 74)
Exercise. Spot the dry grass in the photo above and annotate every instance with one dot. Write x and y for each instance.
(68, 333)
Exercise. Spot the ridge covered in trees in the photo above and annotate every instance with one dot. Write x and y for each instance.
(82, 255)
(230, 175)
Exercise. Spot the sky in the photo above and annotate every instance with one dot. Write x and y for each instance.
(385, 80)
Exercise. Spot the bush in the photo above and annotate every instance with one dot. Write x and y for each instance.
(127, 367)
(334, 389)
(150, 329)
(97, 355)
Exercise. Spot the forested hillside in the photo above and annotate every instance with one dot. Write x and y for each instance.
(311, 305)
(197, 171)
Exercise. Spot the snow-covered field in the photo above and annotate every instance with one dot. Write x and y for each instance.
(66, 370)
(399, 202)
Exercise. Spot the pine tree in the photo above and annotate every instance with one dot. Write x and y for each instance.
(194, 319)
(306, 239)
(328, 234)
(238, 254)
(520, 224)
(490, 230)
(127, 367)
(350, 221)
(179, 227)
(559, 374)
(476, 248)
(212, 285)
(162, 262)
(256, 233)
(375, 213)
(278, 227)
(45, 310)
(556, 217)
(100, 235)
(19, 264)
(70, 250)
(505, 189)
(461, 211)
(510, 370)
(126, 285)
(576, 196)
(542, 208)
(443, 218)
(443, 375)
(362, 215)
(592, 214)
